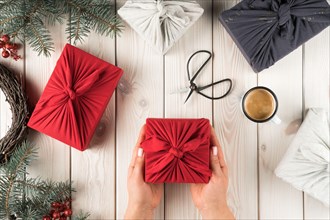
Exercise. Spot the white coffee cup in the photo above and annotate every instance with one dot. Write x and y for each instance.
(260, 104)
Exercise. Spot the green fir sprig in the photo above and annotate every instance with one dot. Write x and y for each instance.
(28, 20)
(29, 198)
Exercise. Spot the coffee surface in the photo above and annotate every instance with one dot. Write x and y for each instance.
(259, 104)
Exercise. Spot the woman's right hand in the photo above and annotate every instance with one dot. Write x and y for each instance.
(211, 198)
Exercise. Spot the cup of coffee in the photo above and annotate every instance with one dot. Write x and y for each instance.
(260, 104)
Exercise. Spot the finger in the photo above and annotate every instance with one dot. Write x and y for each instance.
(135, 150)
(223, 164)
(141, 135)
(138, 170)
(215, 163)
(213, 139)
(215, 142)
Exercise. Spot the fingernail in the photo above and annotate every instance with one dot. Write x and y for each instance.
(140, 152)
(215, 151)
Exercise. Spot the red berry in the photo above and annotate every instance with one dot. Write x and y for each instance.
(5, 38)
(68, 212)
(9, 46)
(2, 44)
(15, 46)
(51, 212)
(56, 215)
(55, 204)
(16, 57)
(61, 208)
(5, 54)
(46, 217)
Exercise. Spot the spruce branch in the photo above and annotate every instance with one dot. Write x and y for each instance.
(21, 158)
(81, 216)
(88, 15)
(39, 38)
(14, 169)
(30, 20)
(28, 198)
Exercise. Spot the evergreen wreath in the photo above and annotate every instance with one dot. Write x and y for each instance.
(17, 101)
(28, 20)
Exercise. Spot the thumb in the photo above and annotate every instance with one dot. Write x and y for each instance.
(215, 162)
(139, 164)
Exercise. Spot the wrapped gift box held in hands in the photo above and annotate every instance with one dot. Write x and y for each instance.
(267, 30)
(177, 151)
(75, 97)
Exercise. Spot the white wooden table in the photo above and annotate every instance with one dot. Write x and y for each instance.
(252, 151)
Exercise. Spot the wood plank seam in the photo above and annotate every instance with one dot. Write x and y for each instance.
(116, 111)
(303, 111)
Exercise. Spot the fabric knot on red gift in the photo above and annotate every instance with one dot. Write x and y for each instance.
(70, 93)
(177, 151)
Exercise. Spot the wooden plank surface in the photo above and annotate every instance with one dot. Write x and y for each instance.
(276, 197)
(238, 135)
(140, 95)
(300, 80)
(196, 107)
(316, 84)
(54, 156)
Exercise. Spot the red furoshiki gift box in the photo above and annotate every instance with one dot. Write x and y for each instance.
(75, 97)
(177, 150)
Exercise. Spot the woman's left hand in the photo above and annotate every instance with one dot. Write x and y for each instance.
(143, 197)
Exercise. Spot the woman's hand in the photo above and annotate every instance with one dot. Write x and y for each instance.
(143, 197)
(211, 198)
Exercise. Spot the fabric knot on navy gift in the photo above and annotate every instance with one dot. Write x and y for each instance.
(70, 93)
(284, 19)
(284, 14)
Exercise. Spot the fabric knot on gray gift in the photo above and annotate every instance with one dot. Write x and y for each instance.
(267, 30)
(173, 12)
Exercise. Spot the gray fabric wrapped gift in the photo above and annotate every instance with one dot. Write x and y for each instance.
(306, 164)
(160, 23)
(267, 30)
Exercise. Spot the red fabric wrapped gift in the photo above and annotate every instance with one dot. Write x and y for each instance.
(75, 97)
(177, 151)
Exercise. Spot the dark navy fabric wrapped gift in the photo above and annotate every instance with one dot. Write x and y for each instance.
(267, 30)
